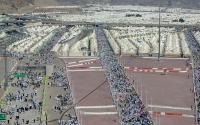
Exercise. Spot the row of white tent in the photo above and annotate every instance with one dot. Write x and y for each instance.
(41, 29)
(38, 36)
(172, 44)
(75, 50)
(197, 36)
(131, 40)
(120, 17)
(68, 36)
(114, 45)
(184, 45)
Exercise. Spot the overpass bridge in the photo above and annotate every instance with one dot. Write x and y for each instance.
(55, 22)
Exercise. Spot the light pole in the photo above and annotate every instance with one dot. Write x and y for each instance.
(81, 118)
(128, 75)
(137, 85)
(141, 90)
(156, 115)
(151, 107)
(146, 99)
(6, 76)
(159, 37)
(121, 61)
(62, 20)
(131, 77)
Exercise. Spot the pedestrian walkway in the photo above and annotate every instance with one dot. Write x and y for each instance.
(54, 90)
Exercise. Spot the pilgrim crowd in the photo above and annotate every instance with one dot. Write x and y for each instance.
(195, 49)
(60, 80)
(131, 109)
(26, 99)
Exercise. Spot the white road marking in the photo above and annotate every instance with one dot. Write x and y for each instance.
(89, 107)
(187, 115)
(165, 58)
(168, 107)
(75, 65)
(95, 67)
(98, 113)
(77, 57)
(87, 60)
(13, 67)
(86, 70)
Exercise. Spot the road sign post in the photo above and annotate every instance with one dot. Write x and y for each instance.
(2, 116)
(17, 74)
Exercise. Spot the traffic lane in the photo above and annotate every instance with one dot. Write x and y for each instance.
(55, 116)
(68, 60)
(2, 91)
(84, 83)
(97, 64)
(100, 119)
(153, 63)
(173, 120)
(11, 64)
(53, 92)
(172, 89)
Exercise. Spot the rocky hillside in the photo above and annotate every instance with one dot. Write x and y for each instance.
(10, 6)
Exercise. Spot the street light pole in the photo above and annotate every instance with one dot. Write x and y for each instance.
(159, 37)
(141, 92)
(151, 108)
(6, 76)
(156, 115)
(146, 98)
(137, 86)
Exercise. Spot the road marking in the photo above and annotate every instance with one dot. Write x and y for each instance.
(86, 63)
(75, 65)
(182, 71)
(164, 58)
(77, 57)
(187, 115)
(87, 60)
(168, 107)
(86, 70)
(82, 61)
(13, 67)
(170, 114)
(98, 113)
(89, 107)
(95, 67)
(161, 71)
(71, 62)
(142, 68)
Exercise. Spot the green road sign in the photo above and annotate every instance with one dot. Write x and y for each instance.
(2, 116)
(19, 74)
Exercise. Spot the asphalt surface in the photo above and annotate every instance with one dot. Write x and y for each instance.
(84, 83)
(172, 90)
(53, 116)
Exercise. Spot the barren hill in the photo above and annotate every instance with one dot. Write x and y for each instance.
(10, 6)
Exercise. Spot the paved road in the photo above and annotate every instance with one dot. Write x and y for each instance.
(33, 114)
(54, 91)
(27, 115)
(172, 90)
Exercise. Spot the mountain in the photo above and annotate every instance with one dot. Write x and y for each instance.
(10, 6)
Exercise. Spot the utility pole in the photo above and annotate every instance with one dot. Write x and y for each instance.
(159, 37)
(6, 76)
(62, 20)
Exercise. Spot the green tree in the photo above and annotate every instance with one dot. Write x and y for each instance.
(174, 20)
(138, 15)
(181, 20)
